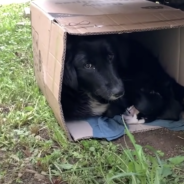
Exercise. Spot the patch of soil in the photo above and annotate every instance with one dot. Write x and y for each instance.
(44, 133)
(167, 141)
(30, 178)
(26, 175)
(4, 109)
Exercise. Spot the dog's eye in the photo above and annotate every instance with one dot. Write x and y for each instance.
(89, 66)
(110, 57)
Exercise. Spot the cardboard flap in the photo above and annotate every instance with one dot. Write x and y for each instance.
(90, 16)
(76, 129)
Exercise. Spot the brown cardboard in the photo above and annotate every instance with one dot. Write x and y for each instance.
(159, 25)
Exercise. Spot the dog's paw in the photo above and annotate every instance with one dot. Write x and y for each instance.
(133, 120)
(141, 121)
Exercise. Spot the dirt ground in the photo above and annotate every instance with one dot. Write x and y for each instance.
(167, 141)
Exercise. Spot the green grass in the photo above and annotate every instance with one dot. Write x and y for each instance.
(31, 138)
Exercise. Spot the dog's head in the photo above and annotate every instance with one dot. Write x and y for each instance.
(91, 65)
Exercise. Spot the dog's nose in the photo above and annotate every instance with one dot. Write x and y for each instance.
(118, 95)
(117, 92)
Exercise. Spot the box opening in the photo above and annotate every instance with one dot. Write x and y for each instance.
(166, 44)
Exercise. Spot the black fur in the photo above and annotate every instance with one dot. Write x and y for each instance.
(110, 60)
(149, 88)
(90, 77)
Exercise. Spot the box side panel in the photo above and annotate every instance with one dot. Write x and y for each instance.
(54, 71)
(55, 60)
(56, 107)
(48, 52)
(165, 44)
(40, 36)
(37, 60)
(181, 67)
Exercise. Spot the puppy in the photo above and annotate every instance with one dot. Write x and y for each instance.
(90, 78)
(150, 105)
(148, 87)
(172, 92)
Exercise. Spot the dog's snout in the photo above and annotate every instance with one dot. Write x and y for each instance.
(117, 92)
(117, 95)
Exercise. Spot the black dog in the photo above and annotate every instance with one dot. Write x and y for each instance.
(141, 93)
(152, 105)
(90, 78)
(148, 87)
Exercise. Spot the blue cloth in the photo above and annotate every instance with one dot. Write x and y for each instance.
(104, 127)
(114, 128)
(171, 125)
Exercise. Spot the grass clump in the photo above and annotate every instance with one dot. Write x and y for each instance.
(33, 148)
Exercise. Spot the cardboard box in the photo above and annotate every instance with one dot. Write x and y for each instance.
(159, 27)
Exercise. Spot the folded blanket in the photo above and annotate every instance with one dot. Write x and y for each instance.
(113, 128)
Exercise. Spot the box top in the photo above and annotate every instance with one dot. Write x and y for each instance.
(110, 16)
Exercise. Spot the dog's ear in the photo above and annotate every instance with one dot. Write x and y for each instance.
(122, 46)
(70, 75)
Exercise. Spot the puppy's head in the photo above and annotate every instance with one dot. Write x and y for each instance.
(91, 65)
(149, 102)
